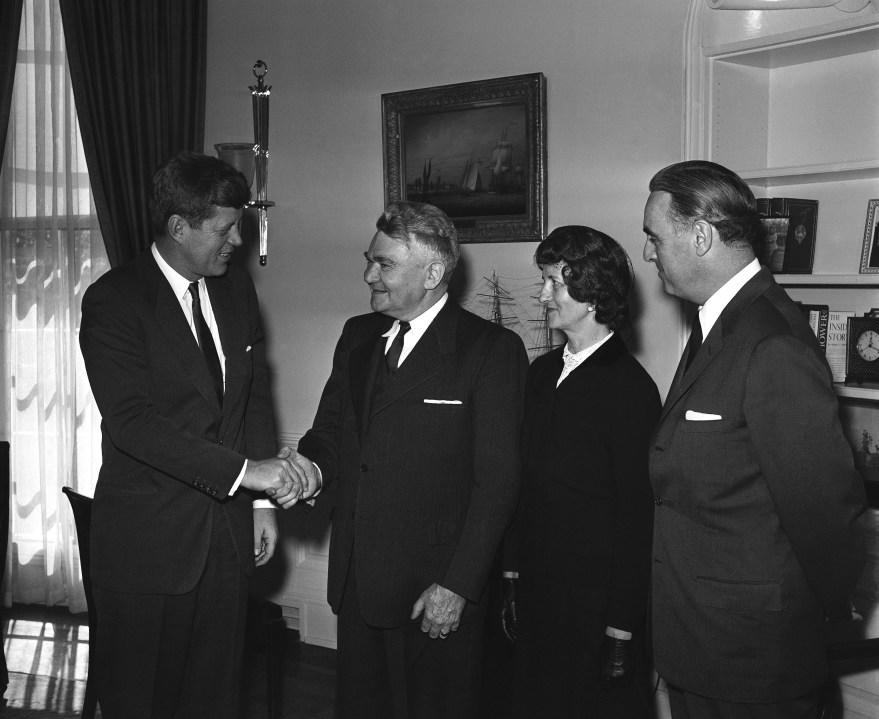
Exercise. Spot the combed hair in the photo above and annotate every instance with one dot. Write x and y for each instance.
(191, 185)
(596, 270)
(425, 224)
(702, 190)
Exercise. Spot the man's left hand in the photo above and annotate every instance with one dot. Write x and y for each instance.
(440, 611)
(265, 535)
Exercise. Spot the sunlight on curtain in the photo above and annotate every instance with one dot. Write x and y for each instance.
(50, 251)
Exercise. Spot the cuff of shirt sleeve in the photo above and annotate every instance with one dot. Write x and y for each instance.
(320, 479)
(617, 633)
(511, 575)
(239, 479)
(264, 504)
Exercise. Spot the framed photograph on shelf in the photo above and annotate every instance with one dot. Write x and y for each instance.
(772, 255)
(476, 150)
(870, 251)
(799, 245)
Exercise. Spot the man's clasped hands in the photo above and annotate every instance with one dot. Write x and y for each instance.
(286, 478)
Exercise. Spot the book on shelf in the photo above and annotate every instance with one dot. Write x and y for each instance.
(819, 317)
(837, 336)
(791, 224)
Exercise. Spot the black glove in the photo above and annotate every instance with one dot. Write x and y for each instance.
(616, 660)
(509, 615)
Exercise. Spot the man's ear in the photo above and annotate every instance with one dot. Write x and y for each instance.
(177, 227)
(435, 271)
(703, 236)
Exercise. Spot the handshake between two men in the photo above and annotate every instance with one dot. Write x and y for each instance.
(286, 478)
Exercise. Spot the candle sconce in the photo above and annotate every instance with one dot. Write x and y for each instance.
(252, 159)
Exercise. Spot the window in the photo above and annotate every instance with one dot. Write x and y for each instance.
(50, 251)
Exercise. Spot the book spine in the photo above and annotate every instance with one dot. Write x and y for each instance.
(837, 344)
(779, 207)
(821, 333)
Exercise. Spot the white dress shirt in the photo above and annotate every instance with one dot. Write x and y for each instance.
(417, 328)
(180, 288)
(716, 304)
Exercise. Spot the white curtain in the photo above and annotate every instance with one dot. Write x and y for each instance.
(50, 251)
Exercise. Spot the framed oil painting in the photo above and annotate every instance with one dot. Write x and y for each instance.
(476, 150)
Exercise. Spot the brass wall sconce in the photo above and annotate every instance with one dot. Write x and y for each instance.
(252, 159)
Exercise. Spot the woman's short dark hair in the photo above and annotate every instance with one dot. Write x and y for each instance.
(595, 268)
(191, 185)
(702, 190)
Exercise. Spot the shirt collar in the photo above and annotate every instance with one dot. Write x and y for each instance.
(576, 358)
(573, 360)
(179, 284)
(716, 304)
(419, 324)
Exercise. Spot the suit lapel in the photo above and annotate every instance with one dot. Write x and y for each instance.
(173, 324)
(229, 326)
(425, 360)
(713, 343)
(365, 362)
(684, 379)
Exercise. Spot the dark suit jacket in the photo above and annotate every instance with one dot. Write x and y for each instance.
(170, 452)
(426, 478)
(756, 538)
(585, 516)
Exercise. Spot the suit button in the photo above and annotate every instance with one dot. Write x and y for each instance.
(363, 468)
(219, 441)
(657, 501)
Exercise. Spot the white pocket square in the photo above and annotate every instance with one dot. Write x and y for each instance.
(248, 348)
(692, 416)
(442, 401)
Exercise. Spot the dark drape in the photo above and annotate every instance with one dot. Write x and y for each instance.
(10, 26)
(138, 74)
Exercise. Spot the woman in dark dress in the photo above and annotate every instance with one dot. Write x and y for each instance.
(579, 548)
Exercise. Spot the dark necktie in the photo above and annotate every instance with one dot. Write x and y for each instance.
(206, 341)
(694, 343)
(393, 355)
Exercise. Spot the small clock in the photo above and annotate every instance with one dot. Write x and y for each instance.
(862, 350)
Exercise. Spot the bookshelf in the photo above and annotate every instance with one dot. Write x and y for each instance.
(790, 100)
(796, 113)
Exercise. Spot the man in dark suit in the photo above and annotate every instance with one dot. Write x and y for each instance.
(418, 430)
(756, 539)
(174, 350)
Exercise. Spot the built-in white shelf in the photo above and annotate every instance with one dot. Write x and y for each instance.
(801, 46)
(828, 280)
(806, 174)
(870, 394)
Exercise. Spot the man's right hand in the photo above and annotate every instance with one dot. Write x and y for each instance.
(280, 478)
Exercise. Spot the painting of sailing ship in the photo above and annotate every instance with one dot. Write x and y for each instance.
(469, 163)
(475, 150)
